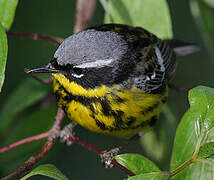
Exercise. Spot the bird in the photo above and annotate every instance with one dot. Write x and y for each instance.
(113, 78)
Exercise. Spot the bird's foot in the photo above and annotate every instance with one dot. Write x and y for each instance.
(66, 133)
(108, 156)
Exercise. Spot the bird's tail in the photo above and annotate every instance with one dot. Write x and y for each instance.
(182, 48)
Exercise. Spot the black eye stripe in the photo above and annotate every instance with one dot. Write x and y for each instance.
(67, 68)
(57, 66)
(78, 71)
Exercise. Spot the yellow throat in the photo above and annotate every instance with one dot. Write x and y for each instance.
(109, 110)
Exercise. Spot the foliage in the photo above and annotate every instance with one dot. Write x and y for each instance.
(48, 170)
(204, 14)
(7, 11)
(139, 14)
(193, 148)
(3, 55)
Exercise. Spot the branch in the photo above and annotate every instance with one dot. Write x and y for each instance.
(90, 147)
(31, 161)
(85, 9)
(35, 36)
(178, 89)
(84, 13)
(48, 145)
(24, 141)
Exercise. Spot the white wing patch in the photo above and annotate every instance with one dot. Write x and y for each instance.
(160, 59)
(98, 63)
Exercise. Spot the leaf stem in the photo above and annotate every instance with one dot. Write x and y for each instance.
(192, 159)
(197, 148)
(181, 167)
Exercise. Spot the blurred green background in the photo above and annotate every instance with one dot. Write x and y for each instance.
(56, 18)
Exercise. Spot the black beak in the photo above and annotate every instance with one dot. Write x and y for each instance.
(43, 69)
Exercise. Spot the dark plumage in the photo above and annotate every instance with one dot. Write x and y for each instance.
(114, 53)
(112, 79)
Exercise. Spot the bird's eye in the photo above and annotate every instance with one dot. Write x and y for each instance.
(78, 71)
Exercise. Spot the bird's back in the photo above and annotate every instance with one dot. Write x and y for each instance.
(155, 60)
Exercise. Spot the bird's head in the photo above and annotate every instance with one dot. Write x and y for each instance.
(91, 58)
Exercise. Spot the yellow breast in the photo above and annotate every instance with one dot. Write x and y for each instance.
(108, 110)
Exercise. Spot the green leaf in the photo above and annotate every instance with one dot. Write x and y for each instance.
(207, 150)
(200, 170)
(210, 135)
(148, 14)
(3, 55)
(195, 125)
(28, 93)
(201, 101)
(203, 13)
(7, 12)
(46, 170)
(185, 141)
(137, 163)
(150, 176)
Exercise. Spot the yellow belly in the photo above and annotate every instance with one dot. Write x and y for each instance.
(108, 110)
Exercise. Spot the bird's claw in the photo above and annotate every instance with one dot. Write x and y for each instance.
(108, 156)
(66, 133)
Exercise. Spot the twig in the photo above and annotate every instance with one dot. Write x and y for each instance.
(47, 101)
(121, 167)
(84, 13)
(24, 141)
(35, 36)
(34, 159)
(100, 152)
(58, 120)
(178, 89)
(30, 162)
(90, 147)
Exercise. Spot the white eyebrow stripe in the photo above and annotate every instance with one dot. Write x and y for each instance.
(98, 63)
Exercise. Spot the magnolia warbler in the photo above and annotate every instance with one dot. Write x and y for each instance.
(112, 79)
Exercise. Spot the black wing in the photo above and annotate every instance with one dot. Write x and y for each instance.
(156, 61)
(157, 67)
(156, 58)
